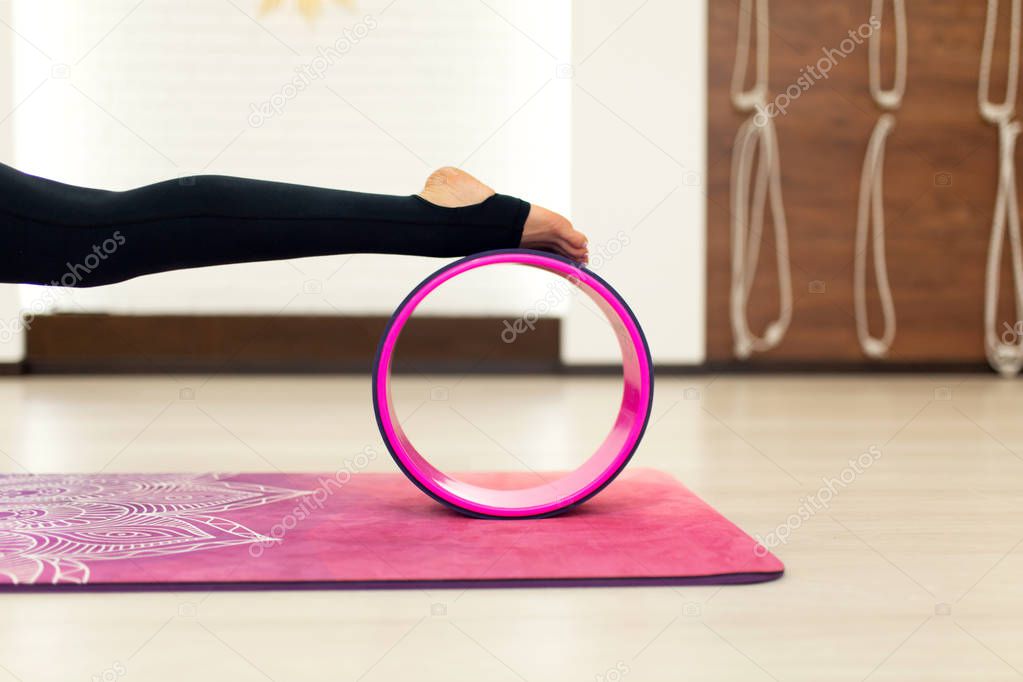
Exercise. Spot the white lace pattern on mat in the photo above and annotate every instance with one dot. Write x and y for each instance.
(54, 526)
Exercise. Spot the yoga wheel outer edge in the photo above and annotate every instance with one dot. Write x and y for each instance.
(552, 497)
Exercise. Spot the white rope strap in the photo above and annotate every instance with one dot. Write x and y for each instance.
(747, 100)
(891, 98)
(755, 188)
(1004, 356)
(870, 209)
(997, 112)
(760, 142)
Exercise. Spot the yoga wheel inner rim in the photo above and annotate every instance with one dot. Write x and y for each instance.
(554, 494)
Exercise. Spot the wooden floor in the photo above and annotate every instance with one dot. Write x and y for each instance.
(912, 570)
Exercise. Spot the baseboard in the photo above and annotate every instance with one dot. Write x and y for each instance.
(266, 344)
(136, 344)
(798, 368)
(836, 367)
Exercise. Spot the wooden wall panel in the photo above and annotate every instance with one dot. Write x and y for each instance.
(940, 180)
(89, 343)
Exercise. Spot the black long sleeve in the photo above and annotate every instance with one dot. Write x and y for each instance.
(58, 234)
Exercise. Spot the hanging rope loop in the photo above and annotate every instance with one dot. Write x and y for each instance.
(1004, 355)
(755, 189)
(993, 112)
(892, 97)
(747, 100)
(870, 207)
(757, 141)
(871, 213)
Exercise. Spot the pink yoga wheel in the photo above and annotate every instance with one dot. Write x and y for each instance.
(555, 495)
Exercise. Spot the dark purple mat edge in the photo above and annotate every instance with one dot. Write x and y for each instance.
(727, 579)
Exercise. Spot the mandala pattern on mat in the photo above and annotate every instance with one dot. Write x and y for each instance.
(53, 526)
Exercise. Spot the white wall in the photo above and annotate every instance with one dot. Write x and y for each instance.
(11, 337)
(638, 158)
(121, 93)
(594, 108)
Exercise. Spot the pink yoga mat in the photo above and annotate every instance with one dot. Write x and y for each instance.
(153, 531)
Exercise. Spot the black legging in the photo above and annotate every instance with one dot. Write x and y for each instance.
(57, 234)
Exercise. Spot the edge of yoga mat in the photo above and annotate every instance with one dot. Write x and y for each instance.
(635, 534)
(482, 584)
